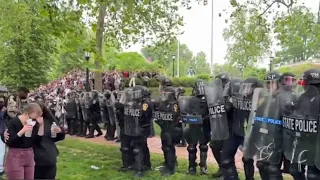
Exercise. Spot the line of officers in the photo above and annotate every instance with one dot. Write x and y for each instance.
(274, 121)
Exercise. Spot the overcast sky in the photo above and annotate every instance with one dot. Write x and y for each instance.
(197, 29)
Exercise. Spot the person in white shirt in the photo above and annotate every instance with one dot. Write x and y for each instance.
(133, 80)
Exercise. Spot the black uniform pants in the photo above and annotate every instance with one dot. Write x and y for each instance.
(139, 148)
(111, 129)
(72, 127)
(216, 148)
(94, 119)
(168, 147)
(193, 136)
(45, 172)
(229, 150)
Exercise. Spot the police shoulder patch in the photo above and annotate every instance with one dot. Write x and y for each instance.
(144, 106)
(175, 108)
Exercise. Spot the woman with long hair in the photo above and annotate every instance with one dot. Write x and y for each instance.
(44, 147)
(19, 163)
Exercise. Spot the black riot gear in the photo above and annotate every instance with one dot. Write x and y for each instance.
(194, 112)
(94, 114)
(237, 117)
(198, 89)
(166, 82)
(264, 137)
(225, 78)
(137, 126)
(110, 111)
(310, 77)
(166, 114)
(71, 110)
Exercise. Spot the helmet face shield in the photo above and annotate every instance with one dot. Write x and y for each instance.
(272, 85)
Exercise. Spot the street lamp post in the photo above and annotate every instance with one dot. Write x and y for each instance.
(173, 59)
(87, 56)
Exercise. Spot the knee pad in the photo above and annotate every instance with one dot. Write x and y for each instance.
(203, 148)
(124, 149)
(247, 160)
(313, 173)
(192, 148)
(226, 163)
(136, 151)
(165, 148)
(261, 165)
(274, 169)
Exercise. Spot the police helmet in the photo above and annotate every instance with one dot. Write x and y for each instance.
(288, 79)
(310, 77)
(248, 85)
(168, 94)
(166, 82)
(198, 89)
(225, 78)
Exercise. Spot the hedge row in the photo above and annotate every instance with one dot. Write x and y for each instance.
(183, 81)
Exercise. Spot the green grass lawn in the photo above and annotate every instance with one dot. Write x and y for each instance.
(77, 156)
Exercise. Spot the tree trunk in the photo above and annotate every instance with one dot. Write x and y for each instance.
(99, 39)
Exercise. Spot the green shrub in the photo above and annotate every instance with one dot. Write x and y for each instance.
(181, 81)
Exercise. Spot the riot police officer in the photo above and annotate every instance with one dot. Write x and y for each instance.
(288, 83)
(300, 121)
(218, 98)
(181, 140)
(125, 147)
(166, 113)
(137, 121)
(194, 112)
(264, 137)
(241, 99)
(110, 116)
(94, 115)
(71, 110)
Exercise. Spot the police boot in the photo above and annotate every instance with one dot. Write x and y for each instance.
(263, 170)
(80, 129)
(229, 170)
(313, 173)
(274, 172)
(192, 150)
(169, 156)
(248, 168)
(139, 162)
(91, 132)
(72, 127)
(297, 171)
(216, 151)
(98, 129)
(203, 158)
(85, 129)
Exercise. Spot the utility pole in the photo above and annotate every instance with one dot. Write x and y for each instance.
(211, 52)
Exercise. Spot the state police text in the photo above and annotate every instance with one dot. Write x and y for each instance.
(164, 116)
(242, 104)
(300, 125)
(131, 112)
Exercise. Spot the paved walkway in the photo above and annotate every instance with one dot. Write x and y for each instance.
(155, 147)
